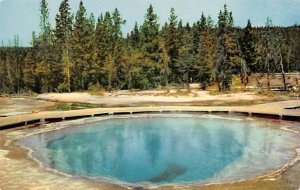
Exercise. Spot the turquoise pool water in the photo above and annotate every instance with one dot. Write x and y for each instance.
(164, 150)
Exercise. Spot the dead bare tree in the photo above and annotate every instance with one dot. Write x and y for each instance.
(277, 48)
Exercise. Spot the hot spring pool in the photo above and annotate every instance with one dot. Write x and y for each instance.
(164, 149)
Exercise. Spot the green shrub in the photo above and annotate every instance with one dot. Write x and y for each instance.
(96, 89)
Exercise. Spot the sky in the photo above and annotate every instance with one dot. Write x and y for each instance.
(21, 17)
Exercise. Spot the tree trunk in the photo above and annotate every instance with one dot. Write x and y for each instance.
(268, 76)
(257, 80)
(219, 85)
(167, 85)
(188, 87)
(246, 82)
(69, 81)
(282, 73)
(109, 82)
(82, 83)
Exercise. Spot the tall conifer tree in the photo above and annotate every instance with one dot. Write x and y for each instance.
(82, 43)
(150, 48)
(63, 31)
(206, 55)
(171, 39)
(227, 54)
(248, 53)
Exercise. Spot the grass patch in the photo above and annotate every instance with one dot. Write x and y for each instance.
(96, 90)
(71, 106)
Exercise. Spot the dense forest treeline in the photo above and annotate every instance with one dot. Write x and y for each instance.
(83, 52)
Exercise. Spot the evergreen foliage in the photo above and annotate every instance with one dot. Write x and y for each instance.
(227, 53)
(82, 52)
(206, 55)
(247, 45)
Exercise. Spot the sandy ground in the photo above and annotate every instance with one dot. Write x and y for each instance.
(125, 98)
(16, 106)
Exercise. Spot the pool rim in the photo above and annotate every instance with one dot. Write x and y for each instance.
(122, 115)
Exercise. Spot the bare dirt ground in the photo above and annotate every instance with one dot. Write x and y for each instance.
(196, 97)
(125, 98)
(51, 101)
(16, 106)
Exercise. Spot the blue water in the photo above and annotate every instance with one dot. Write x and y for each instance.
(160, 150)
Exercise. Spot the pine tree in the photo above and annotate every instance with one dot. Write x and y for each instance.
(134, 37)
(62, 39)
(82, 43)
(44, 69)
(171, 39)
(227, 53)
(63, 24)
(30, 64)
(150, 48)
(248, 53)
(133, 60)
(150, 27)
(45, 27)
(90, 79)
(110, 71)
(185, 61)
(42, 72)
(117, 24)
(39, 60)
(102, 46)
(206, 55)
(118, 47)
(30, 78)
(67, 69)
(119, 51)
(164, 61)
(198, 28)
